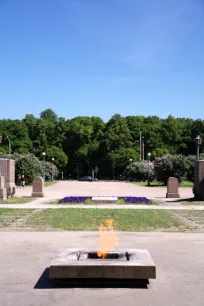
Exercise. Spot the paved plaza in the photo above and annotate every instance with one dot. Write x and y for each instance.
(25, 258)
(75, 188)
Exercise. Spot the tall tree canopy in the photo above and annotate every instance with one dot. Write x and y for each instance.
(81, 144)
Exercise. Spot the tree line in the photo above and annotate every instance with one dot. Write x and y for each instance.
(81, 144)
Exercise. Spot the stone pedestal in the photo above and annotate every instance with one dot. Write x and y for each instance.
(172, 188)
(38, 187)
(120, 264)
(198, 188)
(3, 192)
(7, 170)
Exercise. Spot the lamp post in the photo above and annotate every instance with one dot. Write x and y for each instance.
(143, 148)
(131, 160)
(9, 142)
(198, 143)
(44, 154)
(52, 169)
(149, 155)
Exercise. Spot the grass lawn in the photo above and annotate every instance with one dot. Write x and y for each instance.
(159, 184)
(17, 201)
(190, 201)
(49, 183)
(78, 219)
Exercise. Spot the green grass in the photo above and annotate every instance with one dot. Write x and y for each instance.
(186, 184)
(90, 219)
(49, 183)
(190, 201)
(159, 184)
(17, 201)
(9, 216)
(78, 219)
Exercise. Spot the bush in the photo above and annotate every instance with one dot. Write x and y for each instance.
(30, 166)
(190, 164)
(50, 169)
(139, 171)
(170, 165)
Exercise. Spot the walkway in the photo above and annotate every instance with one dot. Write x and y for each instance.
(74, 188)
(26, 256)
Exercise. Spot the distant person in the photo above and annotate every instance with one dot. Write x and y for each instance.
(22, 181)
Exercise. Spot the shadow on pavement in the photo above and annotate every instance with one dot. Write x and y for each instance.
(45, 282)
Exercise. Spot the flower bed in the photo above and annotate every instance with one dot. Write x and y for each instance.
(135, 200)
(88, 200)
(74, 199)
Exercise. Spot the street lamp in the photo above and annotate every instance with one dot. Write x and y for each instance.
(52, 169)
(44, 154)
(131, 160)
(198, 143)
(149, 155)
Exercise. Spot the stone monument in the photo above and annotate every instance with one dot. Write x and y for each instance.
(7, 169)
(3, 191)
(172, 188)
(38, 187)
(198, 188)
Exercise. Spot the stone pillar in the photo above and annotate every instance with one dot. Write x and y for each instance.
(7, 169)
(3, 191)
(38, 187)
(198, 188)
(172, 188)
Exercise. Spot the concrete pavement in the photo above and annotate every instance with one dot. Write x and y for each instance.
(75, 188)
(25, 257)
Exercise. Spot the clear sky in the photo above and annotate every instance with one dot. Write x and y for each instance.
(101, 57)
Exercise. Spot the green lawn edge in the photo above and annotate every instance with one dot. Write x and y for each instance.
(22, 200)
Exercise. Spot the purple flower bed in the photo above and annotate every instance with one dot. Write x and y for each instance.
(135, 200)
(132, 200)
(74, 199)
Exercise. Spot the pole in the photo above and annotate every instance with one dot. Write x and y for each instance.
(143, 148)
(149, 171)
(140, 145)
(44, 168)
(9, 144)
(198, 152)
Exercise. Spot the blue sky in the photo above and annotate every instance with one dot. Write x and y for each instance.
(101, 57)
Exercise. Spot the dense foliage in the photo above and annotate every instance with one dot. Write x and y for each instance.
(138, 171)
(29, 166)
(170, 165)
(89, 143)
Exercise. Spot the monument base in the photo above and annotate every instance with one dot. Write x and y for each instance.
(3, 194)
(120, 264)
(172, 195)
(37, 195)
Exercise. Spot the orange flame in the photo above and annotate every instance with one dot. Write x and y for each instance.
(108, 238)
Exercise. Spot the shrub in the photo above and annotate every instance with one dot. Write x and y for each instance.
(190, 164)
(170, 165)
(28, 165)
(139, 171)
(50, 170)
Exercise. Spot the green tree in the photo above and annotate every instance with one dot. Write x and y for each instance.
(60, 158)
(49, 115)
